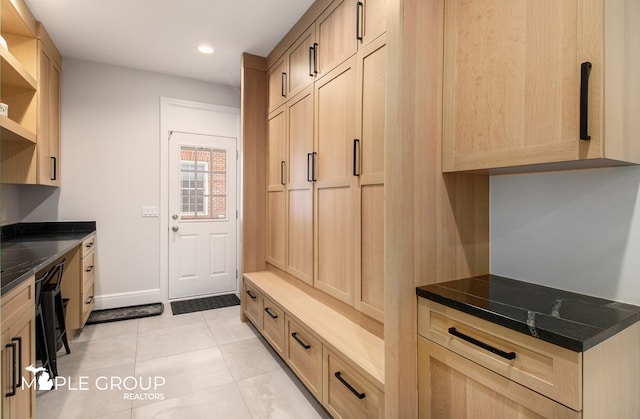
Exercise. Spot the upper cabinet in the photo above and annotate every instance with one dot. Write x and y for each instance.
(48, 133)
(537, 87)
(30, 86)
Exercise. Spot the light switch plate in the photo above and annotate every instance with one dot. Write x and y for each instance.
(150, 211)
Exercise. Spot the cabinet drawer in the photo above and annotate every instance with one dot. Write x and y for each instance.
(551, 370)
(253, 306)
(88, 301)
(273, 324)
(305, 357)
(451, 386)
(88, 245)
(88, 265)
(17, 300)
(347, 394)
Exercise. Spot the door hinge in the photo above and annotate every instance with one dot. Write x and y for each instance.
(236, 214)
(236, 274)
(237, 155)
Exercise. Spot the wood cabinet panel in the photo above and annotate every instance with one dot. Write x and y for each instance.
(372, 19)
(551, 370)
(304, 355)
(253, 305)
(277, 85)
(300, 188)
(18, 351)
(301, 66)
(454, 387)
(276, 180)
(513, 72)
(370, 280)
(273, 323)
(336, 35)
(347, 394)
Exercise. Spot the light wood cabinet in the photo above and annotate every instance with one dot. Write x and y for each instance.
(333, 199)
(369, 200)
(347, 394)
(87, 292)
(371, 20)
(301, 58)
(48, 132)
(454, 387)
(304, 356)
(18, 351)
(273, 323)
(277, 87)
(299, 215)
(528, 85)
(276, 181)
(525, 377)
(336, 36)
(253, 307)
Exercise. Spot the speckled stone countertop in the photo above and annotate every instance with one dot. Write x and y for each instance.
(574, 321)
(29, 247)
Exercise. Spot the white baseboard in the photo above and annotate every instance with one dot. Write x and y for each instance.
(126, 299)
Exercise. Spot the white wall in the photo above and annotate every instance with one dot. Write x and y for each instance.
(110, 165)
(578, 231)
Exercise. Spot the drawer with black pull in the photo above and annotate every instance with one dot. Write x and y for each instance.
(273, 324)
(253, 304)
(304, 356)
(347, 394)
(548, 369)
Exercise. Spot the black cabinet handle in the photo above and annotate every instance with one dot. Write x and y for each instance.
(54, 168)
(14, 350)
(313, 166)
(304, 345)
(311, 74)
(89, 245)
(356, 148)
(273, 316)
(282, 172)
(508, 355)
(90, 300)
(309, 155)
(284, 82)
(359, 9)
(315, 59)
(349, 386)
(585, 71)
(89, 269)
(252, 295)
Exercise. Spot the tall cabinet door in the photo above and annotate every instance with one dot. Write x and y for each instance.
(277, 84)
(512, 73)
(48, 131)
(369, 258)
(300, 187)
(276, 198)
(334, 209)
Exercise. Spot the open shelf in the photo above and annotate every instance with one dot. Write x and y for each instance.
(12, 131)
(14, 73)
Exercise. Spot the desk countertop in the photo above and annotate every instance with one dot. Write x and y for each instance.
(29, 247)
(573, 321)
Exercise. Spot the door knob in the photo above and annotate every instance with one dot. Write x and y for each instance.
(174, 216)
(174, 228)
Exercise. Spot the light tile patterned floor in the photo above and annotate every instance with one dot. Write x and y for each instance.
(213, 366)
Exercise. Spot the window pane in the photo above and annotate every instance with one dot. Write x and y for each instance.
(203, 188)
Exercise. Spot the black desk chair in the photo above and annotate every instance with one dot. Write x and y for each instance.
(42, 352)
(52, 300)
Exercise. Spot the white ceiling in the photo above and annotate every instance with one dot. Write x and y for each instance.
(163, 35)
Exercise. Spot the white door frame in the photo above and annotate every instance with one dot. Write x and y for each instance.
(199, 127)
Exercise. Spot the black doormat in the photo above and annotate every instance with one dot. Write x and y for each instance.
(125, 313)
(206, 303)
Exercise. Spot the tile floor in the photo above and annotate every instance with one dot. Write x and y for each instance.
(212, 365)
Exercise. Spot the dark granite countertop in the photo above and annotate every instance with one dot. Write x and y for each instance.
(574, 321)
(30, 247)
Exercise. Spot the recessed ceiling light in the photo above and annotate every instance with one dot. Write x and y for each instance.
(205, 49)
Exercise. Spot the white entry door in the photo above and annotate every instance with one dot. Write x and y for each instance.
(202, 215)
